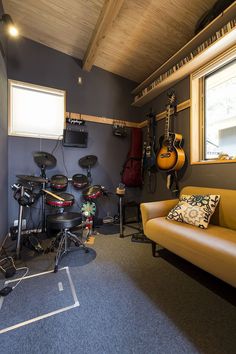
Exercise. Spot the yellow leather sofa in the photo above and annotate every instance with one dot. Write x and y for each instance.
(212, 249)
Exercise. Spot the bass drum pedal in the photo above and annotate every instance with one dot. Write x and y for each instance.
(33, 243)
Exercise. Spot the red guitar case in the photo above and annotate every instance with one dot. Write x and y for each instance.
(132, 169)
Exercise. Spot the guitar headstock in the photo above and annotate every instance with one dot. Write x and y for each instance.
(151, 119)
(151, 114)
(171, 98)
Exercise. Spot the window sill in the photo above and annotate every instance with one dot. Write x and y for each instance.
(37, 136)
(210, 162)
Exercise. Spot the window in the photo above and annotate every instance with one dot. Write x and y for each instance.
(213, 111)
(220, 112)
(35, 111)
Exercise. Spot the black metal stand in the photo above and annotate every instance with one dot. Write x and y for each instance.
(140, 237)
(135, 237)
(121, 215)
(66, 235)
(20, 215)
(43, 175)
(26, 232)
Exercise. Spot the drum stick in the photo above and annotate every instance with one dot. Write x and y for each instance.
(53, 195)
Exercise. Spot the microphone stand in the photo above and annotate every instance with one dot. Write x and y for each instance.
(20, 214)
(43, 175)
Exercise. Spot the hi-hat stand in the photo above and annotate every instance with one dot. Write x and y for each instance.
(44, 161)
(43, 201)
(87, 162)
(25, 197)
(20, 215)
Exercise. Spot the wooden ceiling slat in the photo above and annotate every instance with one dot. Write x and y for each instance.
(144, 35)
(147, 33)
(61, 24)
(107, 17)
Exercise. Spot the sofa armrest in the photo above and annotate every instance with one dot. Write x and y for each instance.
(153, 210)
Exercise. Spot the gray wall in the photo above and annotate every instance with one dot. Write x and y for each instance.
(102, 93)
(111, 152)
(220, 176)
(3, 143)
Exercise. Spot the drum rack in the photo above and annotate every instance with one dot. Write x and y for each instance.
(55, 198)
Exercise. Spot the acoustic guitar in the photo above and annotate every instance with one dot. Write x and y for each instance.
(171, 156)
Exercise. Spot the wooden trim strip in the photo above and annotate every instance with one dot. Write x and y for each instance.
(180, 107)
(143, 124)
(101, 120)
(211, 162)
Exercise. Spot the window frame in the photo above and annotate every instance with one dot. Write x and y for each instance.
(197, 96)
(11, 84)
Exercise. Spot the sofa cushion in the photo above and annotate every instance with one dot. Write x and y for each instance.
(213, 249)
(194, 209)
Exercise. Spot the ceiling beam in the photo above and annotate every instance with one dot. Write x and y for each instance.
(106, 19)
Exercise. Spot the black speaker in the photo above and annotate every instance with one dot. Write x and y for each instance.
(75, 138)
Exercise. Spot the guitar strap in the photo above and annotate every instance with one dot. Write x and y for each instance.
(154, 123)
(152, 180)
(175, 189)
(143, 161)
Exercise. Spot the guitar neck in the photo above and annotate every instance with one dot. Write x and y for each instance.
(148, 133)
(167, 123)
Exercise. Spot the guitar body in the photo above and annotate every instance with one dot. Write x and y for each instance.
(171, 156)
(150, 158)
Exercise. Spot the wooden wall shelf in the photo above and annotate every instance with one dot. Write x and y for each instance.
(217, 47)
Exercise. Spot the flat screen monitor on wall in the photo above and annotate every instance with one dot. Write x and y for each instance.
(75, 138)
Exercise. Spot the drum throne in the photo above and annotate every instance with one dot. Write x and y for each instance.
(65, 222)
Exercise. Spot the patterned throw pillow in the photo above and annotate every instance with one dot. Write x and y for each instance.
(194, 209)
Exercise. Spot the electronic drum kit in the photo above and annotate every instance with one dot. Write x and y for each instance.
(24, 190)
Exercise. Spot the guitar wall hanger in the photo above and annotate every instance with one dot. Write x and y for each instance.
(119, 129)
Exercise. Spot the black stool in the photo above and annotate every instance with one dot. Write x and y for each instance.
(133, 208)
(64, 222)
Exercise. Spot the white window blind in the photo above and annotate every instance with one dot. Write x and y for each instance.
(35, 111)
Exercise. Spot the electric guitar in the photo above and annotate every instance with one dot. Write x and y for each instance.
(149, 162)
(171, 156)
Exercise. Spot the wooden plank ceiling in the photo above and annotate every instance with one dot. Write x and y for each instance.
(138, 35)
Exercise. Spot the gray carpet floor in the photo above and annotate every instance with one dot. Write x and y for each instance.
(130, 302)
